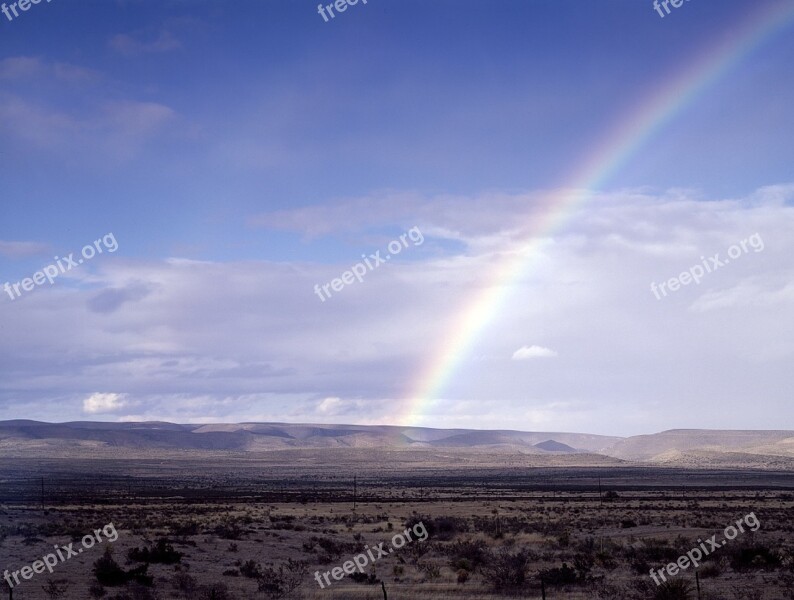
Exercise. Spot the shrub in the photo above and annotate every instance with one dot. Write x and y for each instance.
(758, 556)
(563, 575)
(441, 528)
(107, 571)
(138, 591)
(189, 527)
(55, 589)
(139, 575)
(279, 582)
(229, 529)
(369, 579)
(467, 554)
(675, 589)
(430, 570)
(161, 553)
(710, 570)
(504, 570)
(215, 591)
(185, 583)
(250, 569)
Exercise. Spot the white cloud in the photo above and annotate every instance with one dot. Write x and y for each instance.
(103, 403)
(329, 405)
(527, 352)
(212, 341)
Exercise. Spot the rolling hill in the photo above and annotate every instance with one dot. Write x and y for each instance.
(680, 447)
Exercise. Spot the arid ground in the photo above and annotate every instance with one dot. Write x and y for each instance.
(223, 525)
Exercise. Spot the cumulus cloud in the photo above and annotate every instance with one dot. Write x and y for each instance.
(329, 405)
(527, 352)
(103, 403)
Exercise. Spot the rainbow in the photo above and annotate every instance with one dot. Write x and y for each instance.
(603, 162)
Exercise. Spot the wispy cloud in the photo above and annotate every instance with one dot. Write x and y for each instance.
(21, 249)
(30, 67)
(134, 44)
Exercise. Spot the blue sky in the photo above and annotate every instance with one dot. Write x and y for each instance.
(241, 152)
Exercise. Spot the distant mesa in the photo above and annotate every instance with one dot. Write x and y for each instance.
(555, 446)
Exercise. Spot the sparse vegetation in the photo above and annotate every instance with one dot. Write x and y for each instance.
(497, 545)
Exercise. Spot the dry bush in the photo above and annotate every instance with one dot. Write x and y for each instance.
(675, 589)
(55, 589)
(504, 570)
(280, 582)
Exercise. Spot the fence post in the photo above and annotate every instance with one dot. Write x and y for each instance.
(697, 580)
(543, 588)
(383, 587)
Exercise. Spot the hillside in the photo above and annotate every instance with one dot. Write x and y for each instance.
(681, 447)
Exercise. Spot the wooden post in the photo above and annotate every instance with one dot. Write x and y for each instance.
(697, 580)
(543, 588)
(355, 491)
(383, 587)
